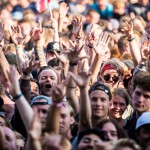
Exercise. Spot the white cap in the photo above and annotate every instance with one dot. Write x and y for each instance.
(143, 120)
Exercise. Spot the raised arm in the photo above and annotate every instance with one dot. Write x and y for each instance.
(58, 93)
(82, 80)
(35, 134)
(63, 9)
(24, 108)
(54, 25)
(100, 49)
(134, 49)
(37, 38)
(19, 40)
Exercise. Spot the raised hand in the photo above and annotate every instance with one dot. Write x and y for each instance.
(128, 30)
(37, 32)
(58, 93)
(82, 79)
(145, 50)
(36, 127)
(16, 36)
(13, 84)
(63, 9)
(74, 52)
(92, 37)
(102, 45)
(54, 24)
(77, 26)
(28, 66)
(1, 31)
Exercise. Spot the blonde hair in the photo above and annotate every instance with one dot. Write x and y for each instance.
(126, 143)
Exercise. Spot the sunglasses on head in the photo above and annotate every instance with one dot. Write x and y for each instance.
(108, 76)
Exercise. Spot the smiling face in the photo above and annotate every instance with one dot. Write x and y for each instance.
(99, 104)
(47, 79)
(118, 106)
(88, 142)
(110, 77)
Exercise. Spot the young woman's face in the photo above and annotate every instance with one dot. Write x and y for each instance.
(118, 106)
(111, 131)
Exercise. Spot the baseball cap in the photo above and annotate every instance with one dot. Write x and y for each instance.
(53, 46)
(100, 86)
(47, 102)
(144, 119)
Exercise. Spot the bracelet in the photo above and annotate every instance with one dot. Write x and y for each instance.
(17, 96)
(26, 73)
(73, 64)
(131, 39)
(78, 38)
(89, 46)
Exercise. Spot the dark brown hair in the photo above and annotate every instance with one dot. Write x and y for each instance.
(120, 131)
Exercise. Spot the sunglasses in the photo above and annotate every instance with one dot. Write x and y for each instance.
(108, 76)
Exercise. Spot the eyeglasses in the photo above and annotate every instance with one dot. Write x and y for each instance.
(108, 76)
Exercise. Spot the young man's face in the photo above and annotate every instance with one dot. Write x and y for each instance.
(99, 104)
(34, 89)
(141, 100)
(42, 111)
(66, 120)
(88, 142)
(144, 136)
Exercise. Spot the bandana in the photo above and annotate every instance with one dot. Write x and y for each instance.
(108, 66)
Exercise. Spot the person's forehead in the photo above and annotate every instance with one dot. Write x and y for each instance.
(64, 109)
(118, 98)
(140, 89)
(92, 137)
(33, 83)
(110, 71)
(48, 72)
(99, 93)
(109, 126)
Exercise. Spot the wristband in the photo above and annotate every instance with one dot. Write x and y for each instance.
(131, 39)
(89, 46)
(26, 73)
(73, 64)
(17, 96)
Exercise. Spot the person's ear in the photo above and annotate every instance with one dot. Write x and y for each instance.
(72, 120)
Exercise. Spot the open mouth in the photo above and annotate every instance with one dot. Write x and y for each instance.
(48, 86)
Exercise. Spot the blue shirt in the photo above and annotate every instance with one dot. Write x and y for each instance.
(105, 14)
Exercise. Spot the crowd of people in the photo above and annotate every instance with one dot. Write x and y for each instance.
(76, 76)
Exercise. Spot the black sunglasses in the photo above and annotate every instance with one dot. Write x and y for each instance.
(108, 76)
